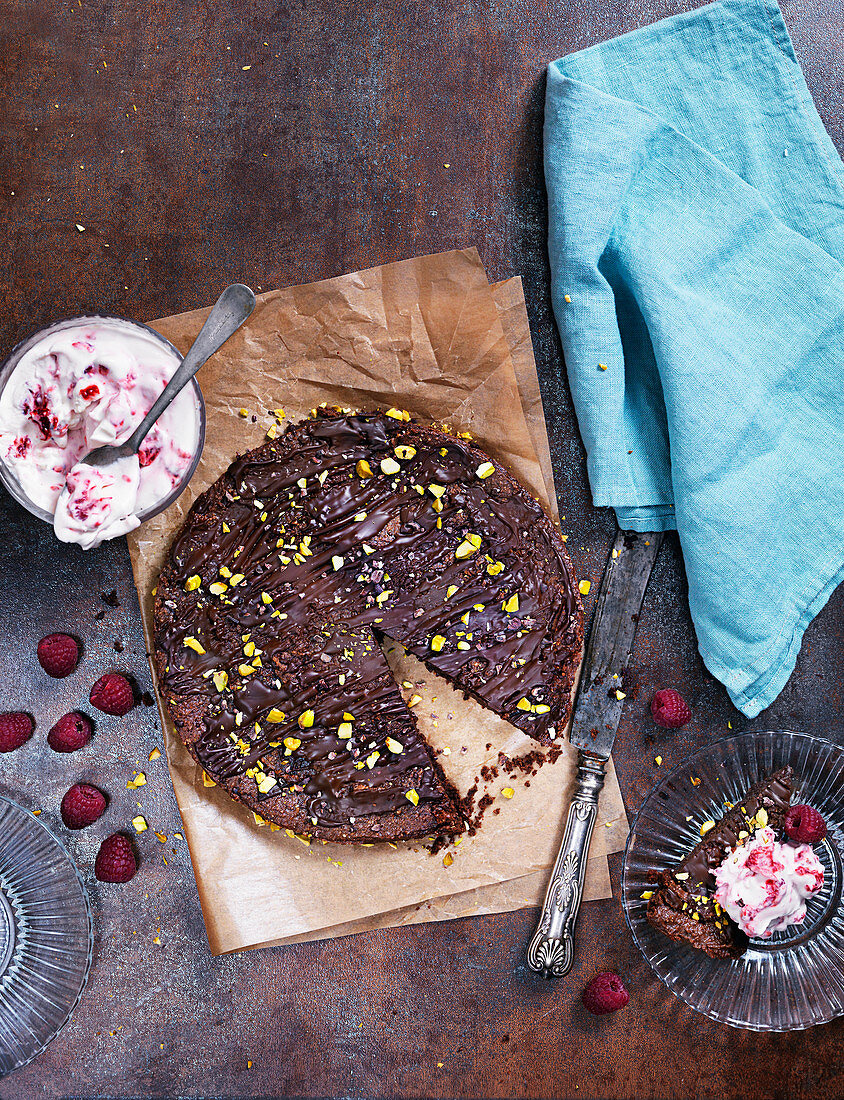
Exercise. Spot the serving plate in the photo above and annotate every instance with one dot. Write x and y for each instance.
(794, 979)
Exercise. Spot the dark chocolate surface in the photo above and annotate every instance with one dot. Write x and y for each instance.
(687, 916)
(290, 570)
(773, 794)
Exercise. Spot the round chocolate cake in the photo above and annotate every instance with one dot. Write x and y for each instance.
(285, 576)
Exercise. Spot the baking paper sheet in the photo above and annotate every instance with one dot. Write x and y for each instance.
(431, 336)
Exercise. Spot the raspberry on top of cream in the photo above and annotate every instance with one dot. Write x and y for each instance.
(81, 386)
(763, 884)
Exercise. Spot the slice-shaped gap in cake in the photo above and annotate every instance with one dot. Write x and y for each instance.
(346, 526)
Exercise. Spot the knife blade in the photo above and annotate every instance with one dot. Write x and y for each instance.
(597, 713)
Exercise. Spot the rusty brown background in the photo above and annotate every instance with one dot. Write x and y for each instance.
(278, 142)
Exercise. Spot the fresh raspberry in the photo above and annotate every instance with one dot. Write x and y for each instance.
(58, 654)
(15, 728)
(804, 824)
(605, 993)
(82, 805)
(670, 709)
(113, 694)
(71, 732)
(115, 860)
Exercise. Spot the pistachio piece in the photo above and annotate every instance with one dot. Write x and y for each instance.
(140, 823)
(218, 588)
(221, 679)
(363, 469)
(192, 643)
(344, 730)
(449, 592)
(389, 466)
(292, 743)
(337, 562)
(486, 469)
(412, 796)
(393, 745)
(306, 719)
(275, 715)
(437, 642)
(511, 604)
(192, 583)
(405, 452)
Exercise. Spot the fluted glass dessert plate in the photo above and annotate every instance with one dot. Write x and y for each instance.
(794, 979)
(46, 936)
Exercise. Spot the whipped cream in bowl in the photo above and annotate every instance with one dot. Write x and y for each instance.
(77, 385)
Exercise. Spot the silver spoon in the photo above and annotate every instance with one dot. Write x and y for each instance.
(230, 311)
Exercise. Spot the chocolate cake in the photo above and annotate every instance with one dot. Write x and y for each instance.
(683, 906)
(288, 572)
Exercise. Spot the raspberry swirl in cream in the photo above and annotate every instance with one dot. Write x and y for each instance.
(763, 884)
(81, 386)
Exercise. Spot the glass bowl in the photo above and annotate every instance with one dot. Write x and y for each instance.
(794, 979)
(46, 936)
(7, 476)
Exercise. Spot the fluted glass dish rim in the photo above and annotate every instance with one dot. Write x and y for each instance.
(40, 829)
(671, 962)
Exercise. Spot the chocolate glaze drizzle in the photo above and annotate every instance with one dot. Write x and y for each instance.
(291, 568)
(773, 794)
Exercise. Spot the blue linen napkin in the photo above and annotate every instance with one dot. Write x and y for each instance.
(696, 236)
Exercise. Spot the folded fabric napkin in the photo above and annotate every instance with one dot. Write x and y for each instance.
(696, 234)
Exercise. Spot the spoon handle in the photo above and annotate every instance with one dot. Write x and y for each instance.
(230, 311)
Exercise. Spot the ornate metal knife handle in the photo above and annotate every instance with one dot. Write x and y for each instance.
(551, 950)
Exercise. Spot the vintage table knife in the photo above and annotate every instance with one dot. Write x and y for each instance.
(597, 712)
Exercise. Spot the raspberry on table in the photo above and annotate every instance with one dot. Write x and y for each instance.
(605, 993)
(82, 805)
(669, 709)
(15, 728)
(804, 824)
(115, 860)
(58, 654)
(113, 694)
(72, 731)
